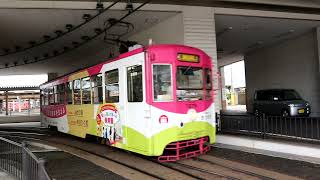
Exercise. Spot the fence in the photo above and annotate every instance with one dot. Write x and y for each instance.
(300, 128)
(16, 159)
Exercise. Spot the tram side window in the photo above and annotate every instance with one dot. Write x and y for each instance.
(96, 84)
(42, 97)
(51, 96)
(56, 94)
(162, 85)
(61, 93)
(77, 91)
(69, 92)
(46, 97)
(86, 90)
(208, 81)
(134, 83)
(112, 86)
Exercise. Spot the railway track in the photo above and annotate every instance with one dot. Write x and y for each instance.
(236, 169)
(197, 168)
(216, 172)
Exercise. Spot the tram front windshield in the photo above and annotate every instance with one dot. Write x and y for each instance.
(189, 83)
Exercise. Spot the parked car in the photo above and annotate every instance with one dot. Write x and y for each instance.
(284, 102)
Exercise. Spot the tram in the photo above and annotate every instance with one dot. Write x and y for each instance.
(155, 101)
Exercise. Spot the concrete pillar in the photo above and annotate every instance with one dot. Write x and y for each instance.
(199, 31)
(13, 106)
(19, 103)
(318, 46)
(7, 107)
(223, 90)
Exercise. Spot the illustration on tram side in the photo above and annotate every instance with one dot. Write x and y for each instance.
(109, 124)
(156, 101)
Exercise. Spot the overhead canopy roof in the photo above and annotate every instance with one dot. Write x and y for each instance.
(238, 35)
(22, 82)
(20, 26)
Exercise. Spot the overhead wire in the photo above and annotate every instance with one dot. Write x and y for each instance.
(60, 34)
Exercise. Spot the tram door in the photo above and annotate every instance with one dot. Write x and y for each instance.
(134, 102)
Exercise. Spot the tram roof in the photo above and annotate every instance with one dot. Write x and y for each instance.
(121, 56)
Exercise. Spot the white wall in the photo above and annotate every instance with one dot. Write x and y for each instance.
(291, 64)
(168, 31)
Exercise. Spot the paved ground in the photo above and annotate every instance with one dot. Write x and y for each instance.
(64, 166)
(291, 167)
(5, 176)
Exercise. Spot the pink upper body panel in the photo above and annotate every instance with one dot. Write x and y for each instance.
(167, 54)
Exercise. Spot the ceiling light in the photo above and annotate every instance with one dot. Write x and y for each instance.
(58, 32)
(291, 31)
(97, 30)
(46, 37)
(85, 38)
(86, 17)
(55, 52)
(69, 27)
(75, 43)
(32, 43)
(17, 48)
(112, 21)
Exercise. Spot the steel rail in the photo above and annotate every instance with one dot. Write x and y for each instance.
(205, 171)
(236, 169)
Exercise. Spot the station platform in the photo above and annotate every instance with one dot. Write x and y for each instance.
(19, 119)
(270, 147)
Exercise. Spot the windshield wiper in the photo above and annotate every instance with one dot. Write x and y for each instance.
(184, 73)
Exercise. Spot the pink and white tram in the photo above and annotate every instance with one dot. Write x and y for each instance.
(156, 101)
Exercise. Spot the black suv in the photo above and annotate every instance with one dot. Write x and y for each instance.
(284, 102)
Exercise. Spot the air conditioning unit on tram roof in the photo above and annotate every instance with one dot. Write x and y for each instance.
(137, 46)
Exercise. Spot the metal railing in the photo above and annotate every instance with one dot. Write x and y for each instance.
(300, 128)
(17, 160)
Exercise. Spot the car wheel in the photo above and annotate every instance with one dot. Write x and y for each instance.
(285, 113)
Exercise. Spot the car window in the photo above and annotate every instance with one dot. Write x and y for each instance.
(275, 95)
(290, 95)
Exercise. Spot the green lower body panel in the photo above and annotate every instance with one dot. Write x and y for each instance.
(154, 146)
